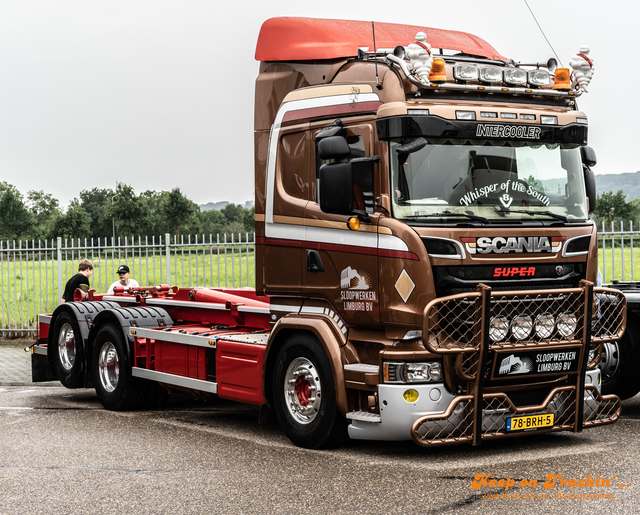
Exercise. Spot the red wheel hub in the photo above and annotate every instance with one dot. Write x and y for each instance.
(303, 392)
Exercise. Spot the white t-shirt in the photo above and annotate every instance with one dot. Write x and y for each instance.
(132, 284)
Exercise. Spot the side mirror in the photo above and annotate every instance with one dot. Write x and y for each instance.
(336, 188)
(588, 156)
(333, 147)
(590, 185)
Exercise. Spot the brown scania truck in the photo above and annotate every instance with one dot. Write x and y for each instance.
(425, 261)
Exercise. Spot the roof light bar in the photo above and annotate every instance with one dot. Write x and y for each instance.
(465, 72)
(490, 74)
(515, 76)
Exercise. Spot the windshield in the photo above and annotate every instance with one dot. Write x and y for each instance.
(510, 181)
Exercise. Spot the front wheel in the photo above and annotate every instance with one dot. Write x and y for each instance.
(304, 394)
(620, 362)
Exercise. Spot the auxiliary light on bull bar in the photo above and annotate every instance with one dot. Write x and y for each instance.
(523, 326)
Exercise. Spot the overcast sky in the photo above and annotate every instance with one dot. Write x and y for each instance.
(159, 94)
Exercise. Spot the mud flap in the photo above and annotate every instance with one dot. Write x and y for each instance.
(41, 371)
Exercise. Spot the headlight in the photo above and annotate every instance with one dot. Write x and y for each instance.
(544, 325)
(498, 328)
(412, 372)
(567, 324)
(417, 372)
(436, 371)
(521, 327)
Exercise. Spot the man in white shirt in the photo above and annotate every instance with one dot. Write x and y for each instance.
(124, 282)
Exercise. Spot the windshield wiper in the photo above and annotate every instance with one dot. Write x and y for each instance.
(449, 214)
(506, 210)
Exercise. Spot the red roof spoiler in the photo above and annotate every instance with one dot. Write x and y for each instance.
(305, 39)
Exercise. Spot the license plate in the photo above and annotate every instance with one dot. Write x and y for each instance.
(529, 422)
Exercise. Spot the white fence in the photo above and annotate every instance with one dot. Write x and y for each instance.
(33, 273)
(616, 251)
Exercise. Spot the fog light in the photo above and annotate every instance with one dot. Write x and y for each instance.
(410, 396)
(498, 328)
(545, 324)
(567, 324)
(521, 327)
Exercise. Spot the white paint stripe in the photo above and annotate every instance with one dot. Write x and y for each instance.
(275, 133)
(313, 309)
(281, 307)
(337, 237)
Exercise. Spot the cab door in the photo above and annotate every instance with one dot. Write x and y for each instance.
(341, 265)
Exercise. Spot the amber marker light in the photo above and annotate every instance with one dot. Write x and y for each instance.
(562, 79)
(354, 223)
(438, 73)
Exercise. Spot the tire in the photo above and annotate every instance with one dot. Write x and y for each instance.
(621, 360)
(304, 394)
(68, 351)
(115, 387)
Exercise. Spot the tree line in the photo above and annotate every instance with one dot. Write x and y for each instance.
(613, 207)
(101, 212)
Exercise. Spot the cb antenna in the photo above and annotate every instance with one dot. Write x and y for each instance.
(375, 53)
(545, 36)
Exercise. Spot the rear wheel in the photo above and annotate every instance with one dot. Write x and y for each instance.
(111, 371)
(304, 394)
(68, 351)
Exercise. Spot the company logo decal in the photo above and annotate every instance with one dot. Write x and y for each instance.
(559, 270)
(537, 362)
(513, 244)
(356, 293)
(512, 365)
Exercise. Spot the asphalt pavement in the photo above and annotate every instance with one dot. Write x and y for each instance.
(61, 452)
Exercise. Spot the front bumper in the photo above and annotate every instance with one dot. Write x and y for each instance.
(439, 417)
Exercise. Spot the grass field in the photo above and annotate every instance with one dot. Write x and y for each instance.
(28, 288)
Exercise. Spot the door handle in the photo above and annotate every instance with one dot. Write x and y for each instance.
(314, 261)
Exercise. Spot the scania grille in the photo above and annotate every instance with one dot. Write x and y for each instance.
(451, 280)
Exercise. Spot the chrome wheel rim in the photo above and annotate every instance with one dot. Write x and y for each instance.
(108, 367)
(302, 390)
(610, 360)
(67, 346)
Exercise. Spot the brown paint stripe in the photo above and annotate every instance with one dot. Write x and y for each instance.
(313, 112)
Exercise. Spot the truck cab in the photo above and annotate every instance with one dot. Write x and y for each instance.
(391, 204)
